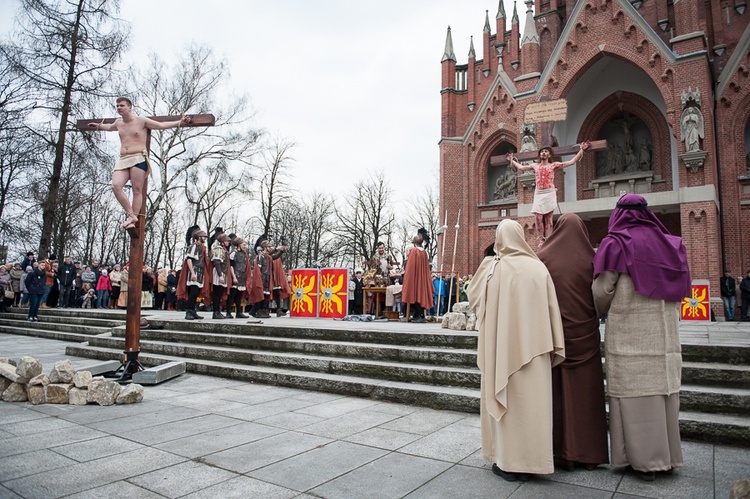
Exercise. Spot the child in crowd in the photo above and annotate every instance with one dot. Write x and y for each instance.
(89, 299)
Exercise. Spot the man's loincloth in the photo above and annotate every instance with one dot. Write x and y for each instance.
(545, 201)
(130, 160)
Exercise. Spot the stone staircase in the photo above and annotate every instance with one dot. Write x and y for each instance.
(412, 364)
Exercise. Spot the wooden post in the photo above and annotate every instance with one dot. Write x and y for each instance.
(135, 258)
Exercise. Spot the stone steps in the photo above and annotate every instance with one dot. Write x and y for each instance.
(715, 428)
(55, 327)
(377, 333)
(428, 373)
(21, 315)
(412, 365)
(437, 397)
(337, 348)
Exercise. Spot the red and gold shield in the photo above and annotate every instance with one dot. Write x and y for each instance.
(304, 299)
(696, 307)
(333, 293)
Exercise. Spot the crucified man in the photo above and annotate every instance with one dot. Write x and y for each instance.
(133, 164)
(545, 193)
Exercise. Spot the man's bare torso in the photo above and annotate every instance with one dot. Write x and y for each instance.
(133, 134)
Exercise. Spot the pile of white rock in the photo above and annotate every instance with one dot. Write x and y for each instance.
(462, 318)
(25, 382)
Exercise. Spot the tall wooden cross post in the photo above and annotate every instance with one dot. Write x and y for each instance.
(131, 364)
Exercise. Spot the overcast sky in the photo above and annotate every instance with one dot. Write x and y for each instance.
(356, 84)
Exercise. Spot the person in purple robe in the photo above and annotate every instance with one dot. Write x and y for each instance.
(641, 276)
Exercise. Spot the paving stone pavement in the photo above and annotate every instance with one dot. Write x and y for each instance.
(198, 436)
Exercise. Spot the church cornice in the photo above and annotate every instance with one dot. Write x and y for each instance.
(664, 50)
(500, 82)
(733, 64)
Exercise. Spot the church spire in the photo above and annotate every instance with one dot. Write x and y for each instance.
(472, 53)
(529, 31)
(487, 28)
(448, 55)
(514, 20)
(500, 11)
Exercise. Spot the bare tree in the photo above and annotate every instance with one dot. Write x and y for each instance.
(309, 228)
(366, 216)
(65, 52)
(275, 169)
(192, 85)
(423, 212)
(212, 195)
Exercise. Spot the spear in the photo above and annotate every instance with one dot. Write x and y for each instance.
(453, 264)
(441, 230)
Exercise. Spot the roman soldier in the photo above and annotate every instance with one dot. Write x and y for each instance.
(192, 281)
(240, 263)
(260, 293)
(281, 288)
(418, 289)
(222, 276)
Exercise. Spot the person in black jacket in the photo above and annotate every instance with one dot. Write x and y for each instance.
(66, 275)
(728, 287)
(745, 290)
(36, 283)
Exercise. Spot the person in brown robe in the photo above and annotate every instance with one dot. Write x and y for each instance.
(578, 411)
(418, 289)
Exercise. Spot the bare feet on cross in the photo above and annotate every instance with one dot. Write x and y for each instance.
(130, 221)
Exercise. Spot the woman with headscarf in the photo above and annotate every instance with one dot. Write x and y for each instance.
(520, 340)
(640, 276)
(579, 416)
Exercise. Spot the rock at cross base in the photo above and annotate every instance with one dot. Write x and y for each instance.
(16, 392)
(462, 306)
(4, 384)
(8, 371)
(62, 372)
(57, 393)
(41, 379)
(739, 489)
(131, 394)
(455, 321)
(28, 367)
(82, 379)
(103, 392)
(35, 394)
(78, 396)
(6, 360)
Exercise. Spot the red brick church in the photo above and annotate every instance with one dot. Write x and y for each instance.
(665, 82)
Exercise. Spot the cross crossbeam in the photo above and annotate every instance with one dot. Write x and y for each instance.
(596, 145)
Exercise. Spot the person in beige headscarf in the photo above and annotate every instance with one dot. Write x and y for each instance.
(520, 340)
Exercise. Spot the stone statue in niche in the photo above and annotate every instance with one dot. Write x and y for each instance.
(644, 157)
(628, 147)
(506, 185)
(691, 128)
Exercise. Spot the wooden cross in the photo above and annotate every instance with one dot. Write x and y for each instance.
(133, 318)
(596, 145)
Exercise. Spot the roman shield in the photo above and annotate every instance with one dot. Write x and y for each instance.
(332, 294)
(304, 299)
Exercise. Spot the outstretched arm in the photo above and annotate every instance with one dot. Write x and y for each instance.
(518, 166)
(584, 145)
(156, 125)
(104, 127)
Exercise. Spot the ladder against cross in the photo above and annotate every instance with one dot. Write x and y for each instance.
(135, 274)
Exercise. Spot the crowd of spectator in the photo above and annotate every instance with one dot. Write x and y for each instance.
(49, 283)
